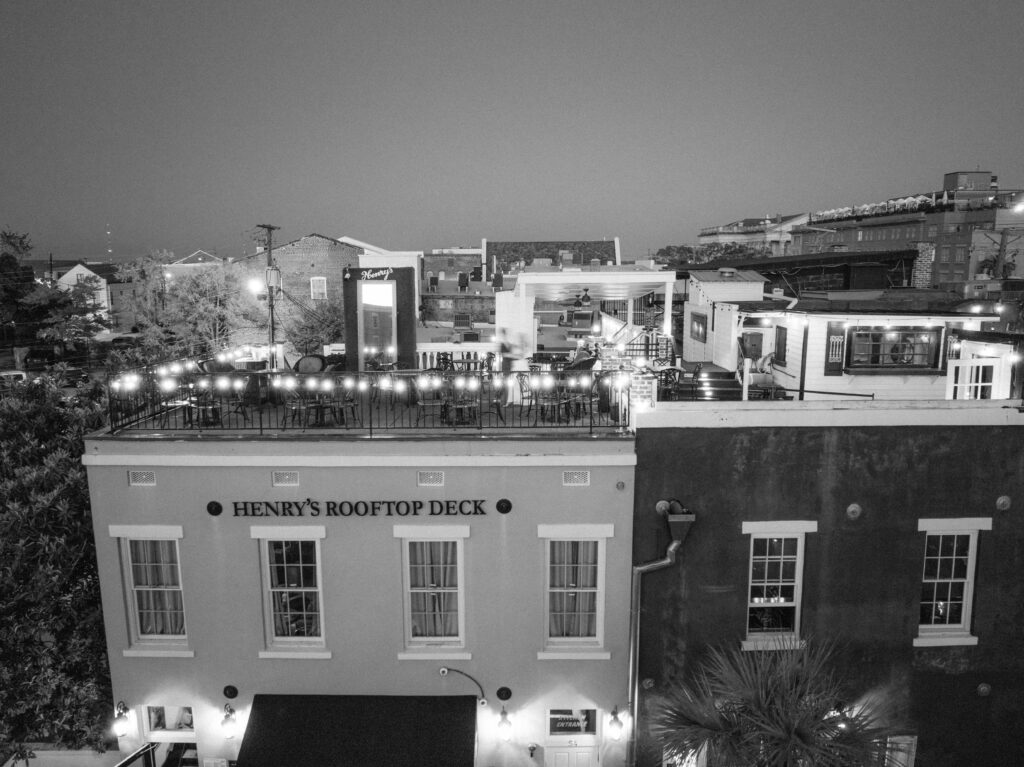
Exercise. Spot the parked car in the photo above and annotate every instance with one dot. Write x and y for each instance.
(40, 358)
(10, 378)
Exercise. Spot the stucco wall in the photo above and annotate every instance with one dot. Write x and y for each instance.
(362, 573)
(862, 576)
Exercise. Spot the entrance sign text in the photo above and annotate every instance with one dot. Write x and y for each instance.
(317, 508)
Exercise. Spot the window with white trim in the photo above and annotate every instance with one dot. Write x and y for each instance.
(872, 348)
(775, 582)
(947, 580)
(318, 288)
(434, 585)
(151, 571)
(574, 585)
(292, 592)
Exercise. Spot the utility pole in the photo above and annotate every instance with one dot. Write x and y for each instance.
(273, 281)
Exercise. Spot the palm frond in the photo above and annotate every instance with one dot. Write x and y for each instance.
(773, 708)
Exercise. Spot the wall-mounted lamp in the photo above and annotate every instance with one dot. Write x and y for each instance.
(504, 726)
(121, 719)
(445, 670)
(615, 725)
(228, 724)
(585, 300)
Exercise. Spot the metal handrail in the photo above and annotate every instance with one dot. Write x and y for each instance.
(145, 753)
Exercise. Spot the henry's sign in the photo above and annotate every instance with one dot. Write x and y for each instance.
(310, 507)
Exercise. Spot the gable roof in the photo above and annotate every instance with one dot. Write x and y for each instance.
(199, 257)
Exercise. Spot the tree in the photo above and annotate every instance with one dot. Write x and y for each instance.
(72, 316)
(54, 677)
(311, 329)
(190, 314)
(16, 279)
(783, 707)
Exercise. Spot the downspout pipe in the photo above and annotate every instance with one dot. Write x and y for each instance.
(679, 521)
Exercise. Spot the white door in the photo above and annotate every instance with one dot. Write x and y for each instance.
(978, 378)
(570, 756)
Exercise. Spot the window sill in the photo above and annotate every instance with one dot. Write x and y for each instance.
(157, 652)
(893, 371)
(944, 640)
(574, 655)
(435, 655)
(772, 643)
(296, 654)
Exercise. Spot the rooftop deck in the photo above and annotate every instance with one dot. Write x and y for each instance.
(369, 404)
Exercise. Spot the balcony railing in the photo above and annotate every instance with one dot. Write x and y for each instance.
(368, 404)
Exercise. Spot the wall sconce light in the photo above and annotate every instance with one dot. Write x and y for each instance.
(121, 719)
(504, 726)
(615, 725)
(228, 724)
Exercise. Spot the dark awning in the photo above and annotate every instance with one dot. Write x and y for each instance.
(364, 730)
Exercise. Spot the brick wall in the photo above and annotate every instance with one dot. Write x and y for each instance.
(923, 265)
(299, 261)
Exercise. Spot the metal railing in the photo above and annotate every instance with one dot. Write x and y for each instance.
(369, 403)
(143, 757)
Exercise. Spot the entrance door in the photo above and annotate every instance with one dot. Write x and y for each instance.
(570, 755)
(979, 378)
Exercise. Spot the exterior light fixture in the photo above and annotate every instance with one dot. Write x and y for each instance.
(228, 724)
(504, 726)
(585, 300)
(121, 719)
(615, 725)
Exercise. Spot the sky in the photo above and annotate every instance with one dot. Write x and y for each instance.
(414, 124)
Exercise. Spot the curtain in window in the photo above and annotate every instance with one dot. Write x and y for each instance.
(294, 594)
(572, 608)
(434, 588)
(157, 587)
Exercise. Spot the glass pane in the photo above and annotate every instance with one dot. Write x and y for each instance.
(960, 567)
(376, 323)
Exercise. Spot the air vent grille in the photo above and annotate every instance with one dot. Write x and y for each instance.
(142, 478)
(575, 478)
(430, 478)
(285, 479)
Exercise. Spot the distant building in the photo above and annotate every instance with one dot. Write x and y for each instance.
(770, 234)
(112, 297)
(946, 218)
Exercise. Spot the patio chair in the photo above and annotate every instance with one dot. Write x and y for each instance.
(431, 403)
(245, 399)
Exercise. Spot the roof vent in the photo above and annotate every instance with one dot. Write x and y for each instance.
(726, 271)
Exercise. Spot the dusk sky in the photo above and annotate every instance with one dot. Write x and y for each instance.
(436, 123)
